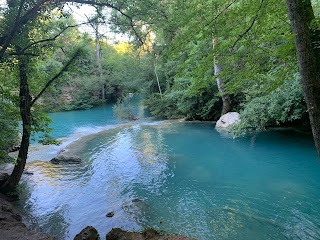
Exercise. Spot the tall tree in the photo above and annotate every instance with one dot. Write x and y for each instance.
(25, 48)
(21, 25)
(307, 36)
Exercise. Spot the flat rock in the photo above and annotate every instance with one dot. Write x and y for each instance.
(62, 159)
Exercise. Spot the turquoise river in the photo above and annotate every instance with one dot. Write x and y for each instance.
(177, 177)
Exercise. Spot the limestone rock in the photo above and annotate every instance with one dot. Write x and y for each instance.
(88, 233)
(228, 119)
(62, 159)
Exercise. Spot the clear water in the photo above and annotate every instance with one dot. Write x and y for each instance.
(181, 178)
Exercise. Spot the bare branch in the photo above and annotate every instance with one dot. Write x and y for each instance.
(92, 2)
(33, 13)
(54, 37)
(24, 54)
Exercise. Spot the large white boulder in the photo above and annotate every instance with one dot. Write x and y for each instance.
(228, 119)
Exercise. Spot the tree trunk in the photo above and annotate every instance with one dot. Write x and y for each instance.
(226, 102)
(156, 72)
(25, 106)
(98, 58)
(301, 15)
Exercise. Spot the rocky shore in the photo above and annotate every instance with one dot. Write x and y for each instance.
(11, 226)
(90, 233)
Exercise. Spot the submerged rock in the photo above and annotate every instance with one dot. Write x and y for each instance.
(228, 119)
(88, 233)
(135, 206)
(65, 159)
(148, 234)
(110, 214)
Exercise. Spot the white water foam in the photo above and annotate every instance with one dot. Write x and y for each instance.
(47, 152)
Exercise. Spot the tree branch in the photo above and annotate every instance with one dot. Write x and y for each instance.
(19, 22)
(65, 67)
(109, 5)
(53, 38)
(250, 27)
(34, 11)
(220, 13)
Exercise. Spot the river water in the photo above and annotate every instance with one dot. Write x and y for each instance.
(176, 177)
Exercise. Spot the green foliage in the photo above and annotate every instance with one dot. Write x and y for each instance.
(283, 105)
(124, 109)
(8, 128)
(182, 102)
(255, 50)
(40, 124)
(123, 72)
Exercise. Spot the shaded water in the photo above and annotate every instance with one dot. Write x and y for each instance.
(183, 178)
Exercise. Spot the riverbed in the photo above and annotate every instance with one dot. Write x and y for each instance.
(177, 177)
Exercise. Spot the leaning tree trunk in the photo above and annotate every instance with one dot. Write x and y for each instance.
(25, 106)
(156, 72)
(301, 14)
(226, 102)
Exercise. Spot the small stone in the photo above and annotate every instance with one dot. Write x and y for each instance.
(110, 214)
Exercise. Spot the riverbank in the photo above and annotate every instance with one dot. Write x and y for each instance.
(12, 228)
(11, 225)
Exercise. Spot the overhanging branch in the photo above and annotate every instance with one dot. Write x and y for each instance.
(65, 67)
(250, 27)
(220, 13)
(109, 5)
(32, 13)
(54, 37)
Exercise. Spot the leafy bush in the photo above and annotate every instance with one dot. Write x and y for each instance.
(181, 102)
(285, 104)
(124, 109)
(8, 128)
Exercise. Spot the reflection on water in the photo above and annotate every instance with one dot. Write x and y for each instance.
(184, 178)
